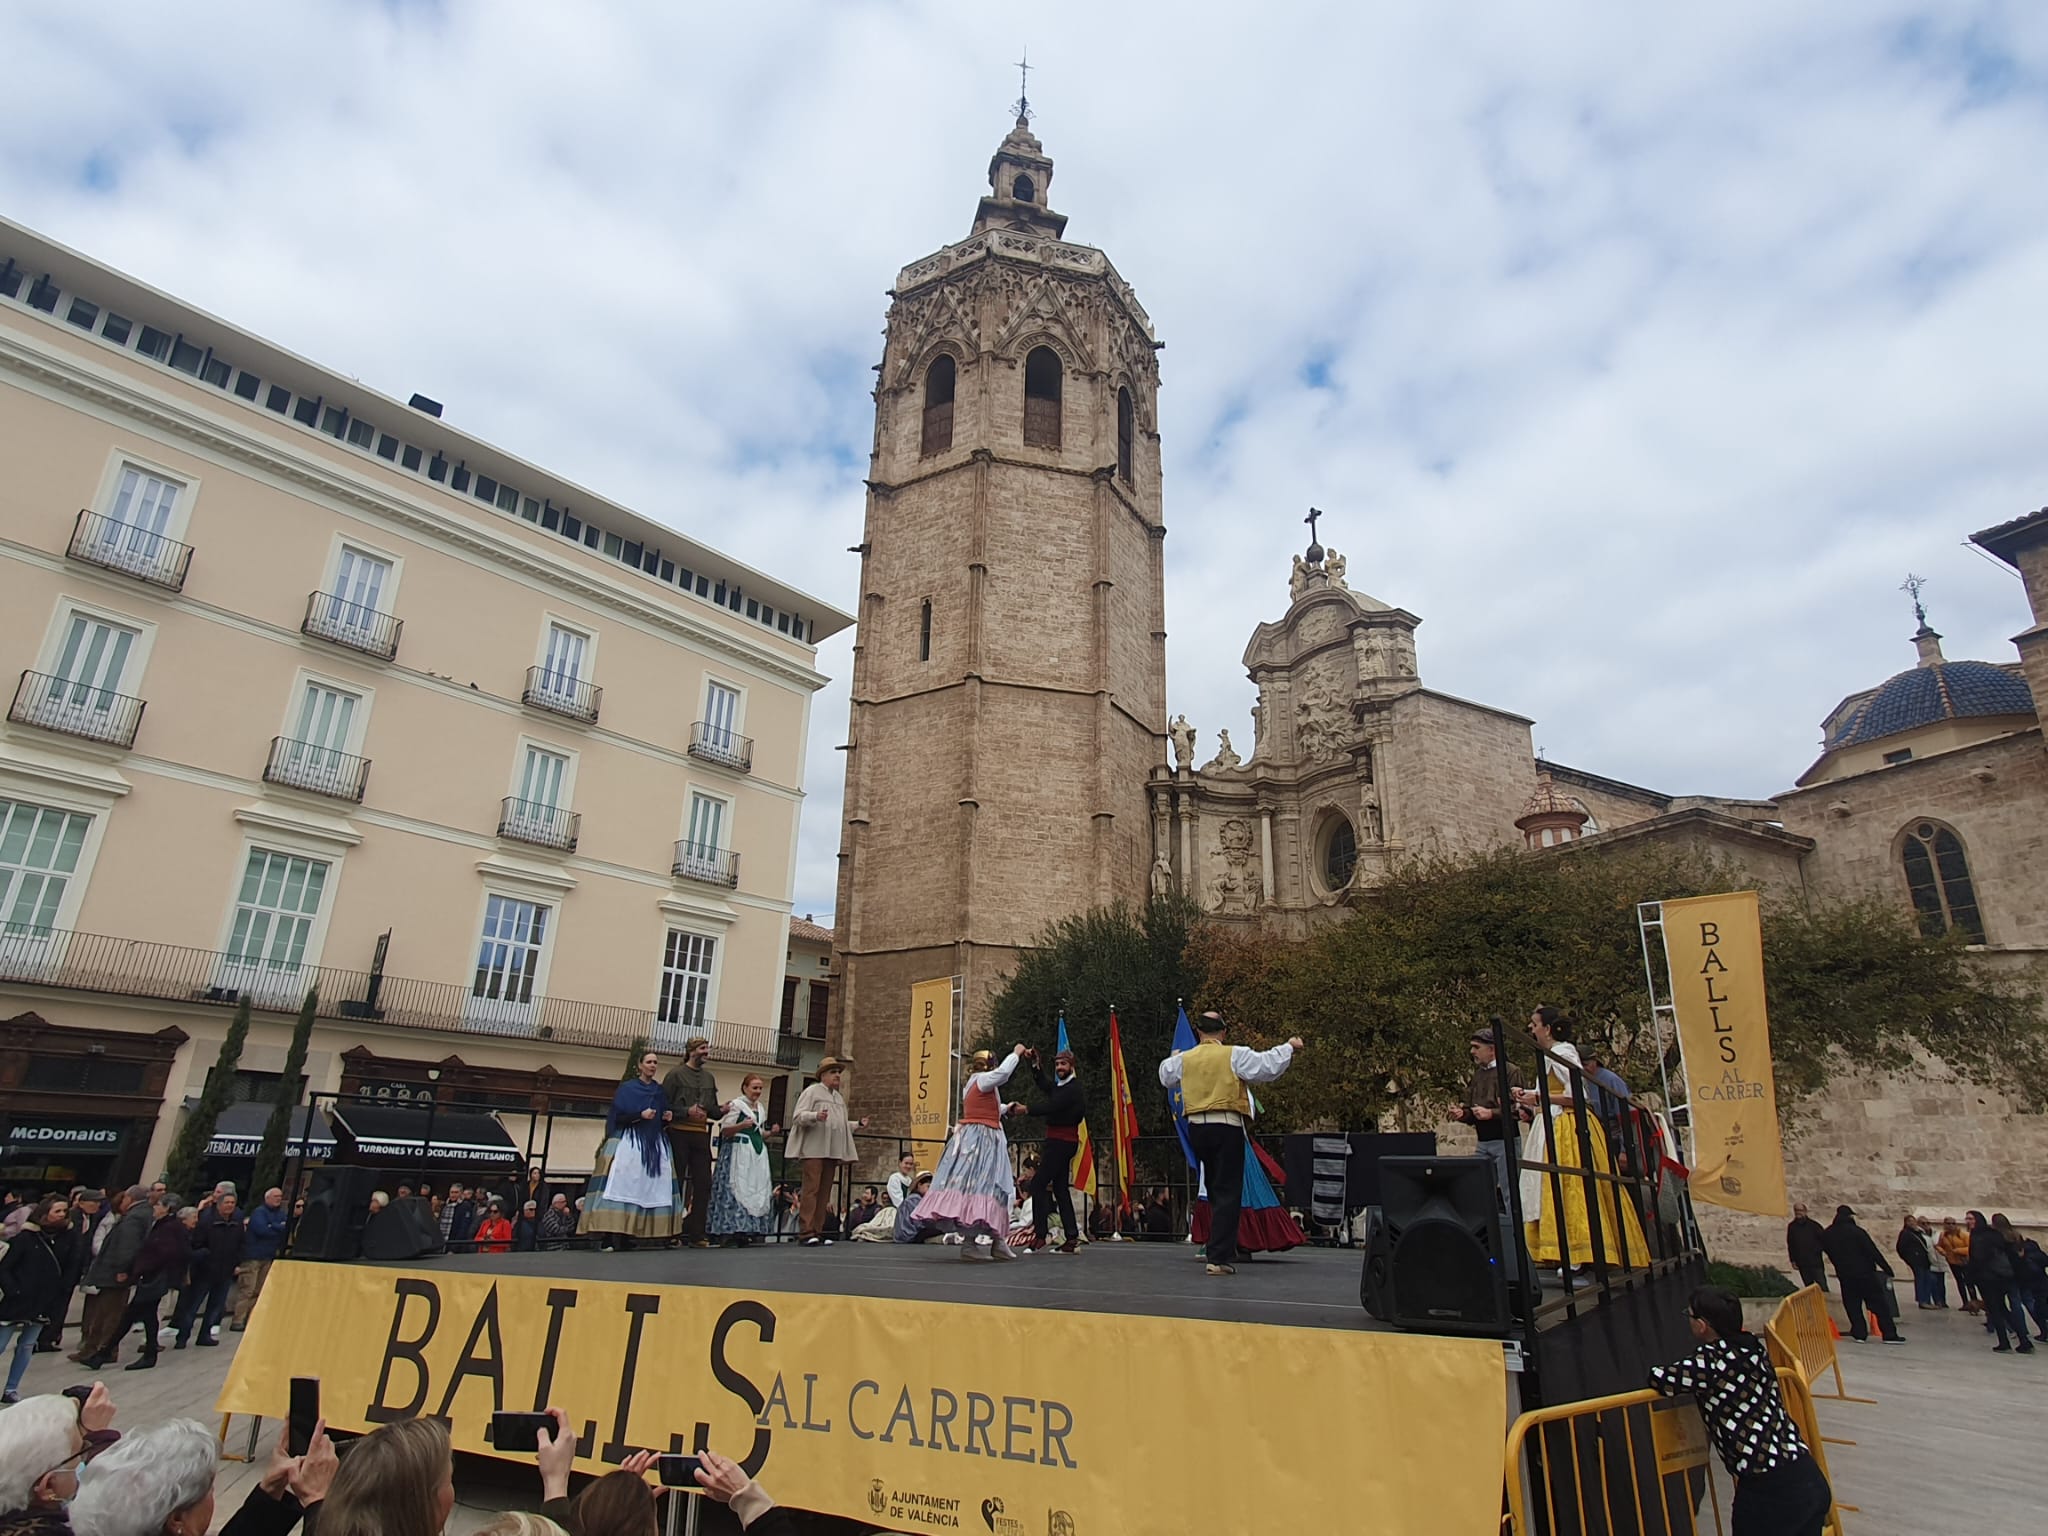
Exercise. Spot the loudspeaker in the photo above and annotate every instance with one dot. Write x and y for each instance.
(1436, 1256)
(337, 1202)
(404, 1229)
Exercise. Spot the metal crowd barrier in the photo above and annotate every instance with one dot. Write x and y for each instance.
(1801, 1334)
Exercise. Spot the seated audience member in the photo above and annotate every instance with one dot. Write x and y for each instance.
(899, 1181)
(907, 1228)
(864, 1208)
(728, 1483)
(494, 1232)
(1156, 1219)
(397, 1481)
(526, 1230)
(558, 1224)
(43, 1440)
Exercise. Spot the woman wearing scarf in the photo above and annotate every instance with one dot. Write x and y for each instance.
(1554, 1138)
(633, 1191)
(742, 1195)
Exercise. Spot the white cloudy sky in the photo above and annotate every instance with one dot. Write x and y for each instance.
(1641, 357)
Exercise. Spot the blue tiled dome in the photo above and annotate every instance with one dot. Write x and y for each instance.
(1946, 690)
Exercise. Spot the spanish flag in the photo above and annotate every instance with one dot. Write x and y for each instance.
(1124, 1131)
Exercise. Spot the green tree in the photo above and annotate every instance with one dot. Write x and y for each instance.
(183, 1170)
(278, 1129)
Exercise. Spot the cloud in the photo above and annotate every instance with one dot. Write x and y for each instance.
(1640, 354)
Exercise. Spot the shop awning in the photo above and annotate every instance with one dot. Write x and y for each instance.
(461, 1138)
(239, 1130)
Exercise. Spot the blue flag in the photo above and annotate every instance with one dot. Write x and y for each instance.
(1063, 1031)
(1183, 1040)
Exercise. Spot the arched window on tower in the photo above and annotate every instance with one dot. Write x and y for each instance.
(938, 407)
(1126, 429)
(1042, 398)
(924, 632)
(1938, 880)
(1022, 190)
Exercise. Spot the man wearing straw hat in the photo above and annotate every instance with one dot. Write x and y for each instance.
(820, 1138)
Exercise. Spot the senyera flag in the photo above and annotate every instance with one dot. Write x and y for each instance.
(1124, 1133)
(1083, 1176)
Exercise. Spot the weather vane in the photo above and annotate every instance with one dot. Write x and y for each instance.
(1023, 107)
(1912, 587)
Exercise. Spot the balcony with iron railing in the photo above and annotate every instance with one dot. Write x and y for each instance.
(535, 822)
(707, 862)
(319, 770)
(76, 709)
(561, 694)
(117, 546)
(715, 744)
(100, 964)
(336, 619)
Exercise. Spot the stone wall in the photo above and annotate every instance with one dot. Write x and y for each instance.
(1457, 775)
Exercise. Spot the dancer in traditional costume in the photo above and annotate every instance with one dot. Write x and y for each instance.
(633, 1192)
(1554, 1138)
(742, 1193)
(1263, 1224)
(973, 1190)
(1211, 1078)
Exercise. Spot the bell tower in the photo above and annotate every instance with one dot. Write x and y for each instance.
(1009, 673)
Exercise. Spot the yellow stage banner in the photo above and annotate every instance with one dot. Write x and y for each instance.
(931, 1066)
(1002, 1421)
(1716, 952)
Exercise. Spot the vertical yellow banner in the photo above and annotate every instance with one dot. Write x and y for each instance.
(931, 1066)
(1716, 950)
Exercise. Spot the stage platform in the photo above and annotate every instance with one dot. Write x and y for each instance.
(1304, 1288)
(911, 1390)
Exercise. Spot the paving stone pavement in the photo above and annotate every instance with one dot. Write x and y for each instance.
(1955, 1430)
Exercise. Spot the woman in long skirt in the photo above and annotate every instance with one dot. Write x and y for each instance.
(1263, 1223)
(633, 1192)
(973, 1190)
(742, 1194)
(1556, 1140)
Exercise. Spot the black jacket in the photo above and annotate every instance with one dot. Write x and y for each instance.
(123, 1243)
(1063, 1104)
(31, 1278)
(1912, 1249)
(217, 1246)
(1805, 1240)
(166, 1254)
(1854, 1255)
(1991, 1257)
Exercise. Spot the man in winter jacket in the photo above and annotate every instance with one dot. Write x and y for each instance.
(260, 1244)
(109, 1278)
(1866, 1277)
(1063, 1107)
(160, 1266)
(1806, 1247)
(216, 1254)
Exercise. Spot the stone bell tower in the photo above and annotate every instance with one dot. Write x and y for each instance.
(1009, 673)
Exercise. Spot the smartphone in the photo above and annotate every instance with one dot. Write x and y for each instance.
(519, 1431)
(79, 1391)
(304, 1415)
(680, 1471)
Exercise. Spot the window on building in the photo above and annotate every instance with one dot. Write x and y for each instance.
(821, 1003)
(939, 380)
(92, 663)
(508, 960)
(541, 777)
(707, 827)
(1042, 383)
(247, 385)
(924, 631)
(1340, 855)
(82, 1074)
(320, 732)
(721, 718)
(274, 915)
(83, 313)
(1022, 190)
(789, 986)
(1126, 430)
(357, 601)
(131, 537)
(39, 848)
(117, 328)
(685, 979)
(277, 398)
(563, 664)
(1938, 879)
(1903, 755)
(541, 814)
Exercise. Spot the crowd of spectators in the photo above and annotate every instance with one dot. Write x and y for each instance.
(64, 1467)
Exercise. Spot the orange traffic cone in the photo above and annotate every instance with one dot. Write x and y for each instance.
(1833, 1332)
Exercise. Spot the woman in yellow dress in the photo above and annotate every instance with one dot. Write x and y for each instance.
(1556, 1139)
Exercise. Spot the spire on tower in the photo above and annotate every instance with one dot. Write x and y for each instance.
(1023, 103)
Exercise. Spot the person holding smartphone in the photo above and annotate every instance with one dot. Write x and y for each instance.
(727, 1481)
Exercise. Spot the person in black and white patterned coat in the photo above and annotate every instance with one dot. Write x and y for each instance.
(1779, 1487)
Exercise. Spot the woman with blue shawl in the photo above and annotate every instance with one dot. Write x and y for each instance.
(633, 1192)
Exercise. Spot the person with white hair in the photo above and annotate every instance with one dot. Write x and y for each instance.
(156, 1482)
(42, 1441)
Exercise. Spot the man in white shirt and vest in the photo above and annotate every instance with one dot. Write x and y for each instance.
(1212, 1079)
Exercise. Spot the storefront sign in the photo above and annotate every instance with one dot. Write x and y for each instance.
(92, 1137)
(915, 1415)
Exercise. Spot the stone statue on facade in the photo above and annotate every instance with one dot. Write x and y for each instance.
(1225, 758)
(1333, 567)
(1162, 875)
(1297, 583)
(1369, 812)
(1183, 737)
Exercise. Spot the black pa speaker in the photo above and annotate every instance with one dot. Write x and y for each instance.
(1435, 1256)
(404, 1229)
(337, 1203)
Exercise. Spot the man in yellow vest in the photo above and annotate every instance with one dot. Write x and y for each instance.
(1211, 1078)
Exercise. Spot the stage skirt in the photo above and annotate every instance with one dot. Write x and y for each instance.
(728, 1218)
(973, 1189)
(1621, 1228)
(625, 1200)
(1263, 1224)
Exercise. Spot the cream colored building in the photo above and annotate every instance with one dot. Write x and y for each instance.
(306, 684)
